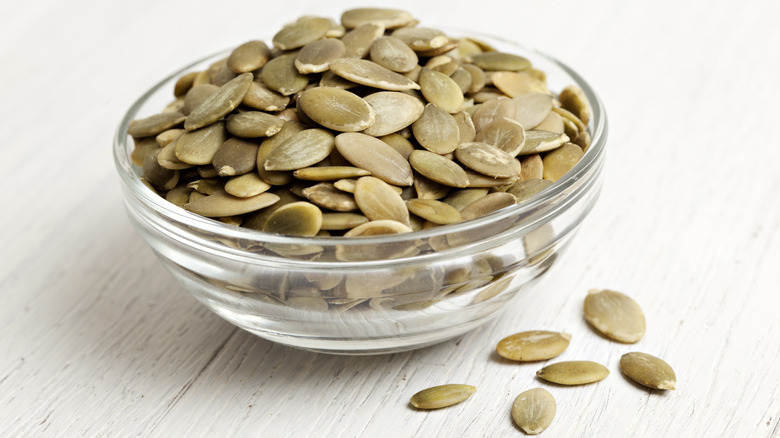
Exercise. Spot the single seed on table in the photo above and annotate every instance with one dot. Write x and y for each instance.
(438, 169)
(199, 146)
(295, 219)
(376, 228)
(573, 99)
(305, 30)
(434, 211)
(514, 84)
(436, 130)
(648, 370)
(388, 18)
(441, 90)
(220, 103)
(248, 57)
(236, 156)
(487, 160)
(533, 345)
(616, 315)
(253, 124)
(500, 61)
(358, 41)
(486, 205)
(505, 134)
(378, 201)
(247, 185)
(316, 56)
(441, 396)
(197, 95)
(542, 141)
(393, 111)
(534, 410)
(531, 108)
(261, 97)
(301, 150)
(421, 38)
(336, 109)
(531, 167)
(223, 204)
(342, 221)
(329, 173)
(559, 161)
(155, 124)
(575, 372)
(374, 155)
(523, 190)
(371, 74)
(326, 195)
(393, 54)
(281, 75)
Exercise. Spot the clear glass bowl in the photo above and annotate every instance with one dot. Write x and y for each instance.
(366, 295)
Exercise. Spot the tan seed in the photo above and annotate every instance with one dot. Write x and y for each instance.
(429, 189)
(377, 228)
(477, 179)
(462, 78)
(615, 315)
(575, 372)
(388, 18)
(525, 189)
(436, 130)
(399, 143)
(261, 97)
(374, 155)
(200, 146)
(533, 345)
(434, 211)
(336, 109)
(303, 149)
(155, 124)
(478, 78)
(648, 370)
(441, 90)
(542, 141)
(421, 38)
(486, 205)
(441, 396)
(305, 30)
(184, 84)
(369, 73)
(223, 204)
(253, 124)
(281, 75)
(438, 168)
(316, 56)
(167, 158)
(531, 108)
(167, 137)
(552, 123)
(505, 134)
(359, 40)
(559, 161)
(143, 147)
(378, 201)
(496, 109)
(487, 160)
(248, 57)
(531, 167)
(466, 129)
(393, 54)
(501, 61)
(574, 100)
(326, 195)
(342, 221)
(514, 84)
(461, 198)
(220, 103)
(329, 173)
(246, 186)
(295, 219)
(534, 410)
(236, 156)
(393, 110)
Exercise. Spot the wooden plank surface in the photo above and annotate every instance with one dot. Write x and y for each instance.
(96, 339)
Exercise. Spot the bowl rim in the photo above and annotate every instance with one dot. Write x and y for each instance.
(592, 158)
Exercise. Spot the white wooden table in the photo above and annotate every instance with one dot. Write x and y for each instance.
(96, 339)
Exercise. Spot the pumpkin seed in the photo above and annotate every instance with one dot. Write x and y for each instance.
(301, 150)
(235, 157)
(393, 111)
(336, 109)
(167, 137)
(295, 219)
(305, 30)
(376, 156)
(534, 410)
(167, 158)
(178, 196)
(393, 54)
(478, 78)
(487, 160)
(280, 74)
(479, 180)
(223, 204)
(399, 143)
(496, 109)
(359, 40)
(461, 198)
(648, 370)
(462, 78)
(261, 97)
(575, 372)
(444, 64)
(159, 177)
(573, 99)
(421, 38)
(376, 228)
(220, 103)
(531, 167)
(552, 123)
(329, 173)
(197, 95)
(532, 108)
(486, 205)
(616, 315)
(438, 168)
(525, 189)
(441, 90)
(466, 129)
(377, 201)
(434, 211)
(143, 147)
(342, 221)
(428, 189)
(441, 396)
(505, 134)
(316, 56)
(388, 18)
(252, 124)
(542, 141)
(559, 161)
(246, 186)
(200, 146)
(288, 130)
(155, 124)
(248, 57)
(184, 84)
(533, 345)
(369, 73)
(514, 84)
(436, 130)
(494, 61)
(326, 195)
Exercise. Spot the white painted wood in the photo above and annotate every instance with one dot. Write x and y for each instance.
(96, 339)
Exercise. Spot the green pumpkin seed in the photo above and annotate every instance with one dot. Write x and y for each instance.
(532, 108)
(552, 123)
(486, 205)
(167, 158)
(393, 54)
(525, 189)
(316, 56)
(159, 177)
(256, 220)
(167, 137)
(534, 410)
(235, 157)
(575, 372)
(342, 221)
(376, 228)
(376, 156)
(434, 211)
(648, 370)
(399, 143)
(205, 186)
(441, 396)
(305, 30)
(359, 40)
(490, 111)
(487, 160)
(514, 84)
(446, 65)
(155, 124)
(197, 95)
(143, 147)
(326, 195)
(261, 97)
(505, 134)
(478, 78)
(616, 315)
(336, 109)
(421, 38)
(200, 146)
(542, 141)
(184, 84)
(220, 103)
(378, 201)
(303, 149)
(533, 345)
(461, 198)
(371, 74)
(248, 57)
(462, 78)
(253, 124)
(531, 167)
(388, 18)
(329, 173)
(440, 90)
(574, 100)
(280, 74)
(178, 196)
(428, 189)
(288, 130)
(246, 186)
(436, 130)
(560, 161)
(477, 179)
(393, 110)
(223, 204)
(567, 115)
(295, 219)
(221, 73)
(466, 129)
(494, 61)
(438, 168)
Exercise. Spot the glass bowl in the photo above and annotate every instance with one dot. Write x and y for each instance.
(366, 295)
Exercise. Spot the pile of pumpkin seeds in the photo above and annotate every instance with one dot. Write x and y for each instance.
(373, 125)
(613, 314)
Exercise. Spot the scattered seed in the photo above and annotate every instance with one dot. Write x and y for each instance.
(534, 410)
(648, 370)
(615, 315)
(533, 345)
(575, 372)
(441, 396)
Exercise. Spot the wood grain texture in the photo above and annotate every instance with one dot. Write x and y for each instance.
(96, 338)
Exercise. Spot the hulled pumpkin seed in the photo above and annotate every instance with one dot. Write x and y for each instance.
(575, 372)
(246, 186)
(388, 18)
(342, 221)
(316, 56)
(462, 78)
(534, 410)
(329, 173)
(559, 161)
(393, 54)
(248, 57)
(496, 109)
(615, 315)
(461, 198)
(421, 38)
(436, 130)
(200, 146)
(288, 130)
(155, 124)
(326, 195)
(466, 129)
(514, 84)
(437, 168)
(533, 345)
(531, 167)
(531, 108)
(197, 95)
(505, 134)
(252, 124)
(648, 370)
(378, 201)
(428, 189)
(295, 219)
(486, 205)
(261, 97)
(376, 228)
(280, 74)
(336, 109)
(159, 177)
(434, 211)
(542, 141)
(487, 160)
(393, 110)
(500, 61)
(440, 90)
(573, 99)
(478, 78)
(220, 103)
(359, 40)
(369, 73)
(441, 396)
(303, 149)
(525, 189)
(376, 156)
(552, 123)
(223, 204)
(184, 84)
(167, 158)
(236, 156)
(143, 147)
(305, 30)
